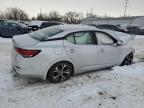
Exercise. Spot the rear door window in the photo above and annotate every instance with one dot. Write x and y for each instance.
(80, 38)
(70, 38)
(43, 34)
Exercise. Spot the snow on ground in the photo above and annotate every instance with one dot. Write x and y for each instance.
(5, 40)
(120, 87)
(138, 44)
(135, 70)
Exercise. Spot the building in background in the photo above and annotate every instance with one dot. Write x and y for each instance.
(135, 20)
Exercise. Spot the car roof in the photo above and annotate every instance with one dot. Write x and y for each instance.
(11, 22)
(3, 19)
(51, 22)
(71, 27)
(107, 24)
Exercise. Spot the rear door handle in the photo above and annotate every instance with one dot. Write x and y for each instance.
(102, 50)
(72, 50)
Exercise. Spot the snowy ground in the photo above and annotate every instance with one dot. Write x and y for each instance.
(120, 87)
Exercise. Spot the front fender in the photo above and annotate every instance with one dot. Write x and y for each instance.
(127, 50)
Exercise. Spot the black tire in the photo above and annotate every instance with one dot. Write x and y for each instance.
(60, 72)
(0, 35)
(128, 60)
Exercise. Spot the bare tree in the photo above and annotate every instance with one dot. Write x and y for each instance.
(33, 18)
(54, 16)
(91, 15)
(41, 16)
(73, 17)
(16, 14)
(2, 15)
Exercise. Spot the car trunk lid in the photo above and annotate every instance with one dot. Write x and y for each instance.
(24, 40)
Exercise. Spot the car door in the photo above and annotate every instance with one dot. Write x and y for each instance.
(82, 50)
(5, 30)
(109, 52)
(15, 29)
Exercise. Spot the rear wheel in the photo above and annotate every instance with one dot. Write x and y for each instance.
(128, 60)
(60, 72)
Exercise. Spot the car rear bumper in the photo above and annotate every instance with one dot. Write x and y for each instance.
(25, 68)
(25, 73)
(14, 72)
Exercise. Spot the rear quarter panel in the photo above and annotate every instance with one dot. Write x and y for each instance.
(52, 53)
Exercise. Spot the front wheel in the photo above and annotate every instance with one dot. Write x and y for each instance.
(0, 35)
(60, 72)
(128, 60)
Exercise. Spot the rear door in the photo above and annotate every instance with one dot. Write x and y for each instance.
(108, 52)
(82, 49)
(5, 32)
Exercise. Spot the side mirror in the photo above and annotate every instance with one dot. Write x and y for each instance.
(118, 43)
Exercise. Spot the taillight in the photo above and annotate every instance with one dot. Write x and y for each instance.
(27, 53)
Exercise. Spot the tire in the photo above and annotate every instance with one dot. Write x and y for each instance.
(128, 60)
(60, 72)
(0, 35)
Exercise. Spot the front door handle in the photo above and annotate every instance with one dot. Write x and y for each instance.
(72, 50)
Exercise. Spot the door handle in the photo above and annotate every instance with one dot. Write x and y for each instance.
(72, 50)
(102, 50)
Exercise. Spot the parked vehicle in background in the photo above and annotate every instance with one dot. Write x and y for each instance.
(22, 22)
(56, 53)
(49, 24)
(111, 27)
(1, 21)
(142, 28)
(135, 30)
(8, 29)
(123, 27)
(35, 25)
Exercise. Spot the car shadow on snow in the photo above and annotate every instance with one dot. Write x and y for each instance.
(27, 82)
(95, 71)
(22, 81)
(138, 60)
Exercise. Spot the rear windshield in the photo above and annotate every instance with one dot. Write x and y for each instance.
(43, 34)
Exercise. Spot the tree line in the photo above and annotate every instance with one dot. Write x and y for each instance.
(70, 17)
(14, 14)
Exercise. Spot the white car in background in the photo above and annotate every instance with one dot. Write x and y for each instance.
(59, 52)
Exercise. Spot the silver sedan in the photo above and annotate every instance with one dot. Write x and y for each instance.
(59, 52)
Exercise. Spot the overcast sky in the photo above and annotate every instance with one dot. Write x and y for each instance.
(99, 7)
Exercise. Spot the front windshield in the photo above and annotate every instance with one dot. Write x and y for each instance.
(45, 33)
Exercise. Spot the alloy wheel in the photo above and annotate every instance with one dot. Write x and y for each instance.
(60, 72)
(128, 60)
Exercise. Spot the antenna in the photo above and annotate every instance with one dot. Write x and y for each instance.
(125, 7)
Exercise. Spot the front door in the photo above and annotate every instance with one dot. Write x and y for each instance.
(108, 52)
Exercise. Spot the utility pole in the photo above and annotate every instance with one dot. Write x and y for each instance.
(91, 10)
(125, 7)
(40, 11)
